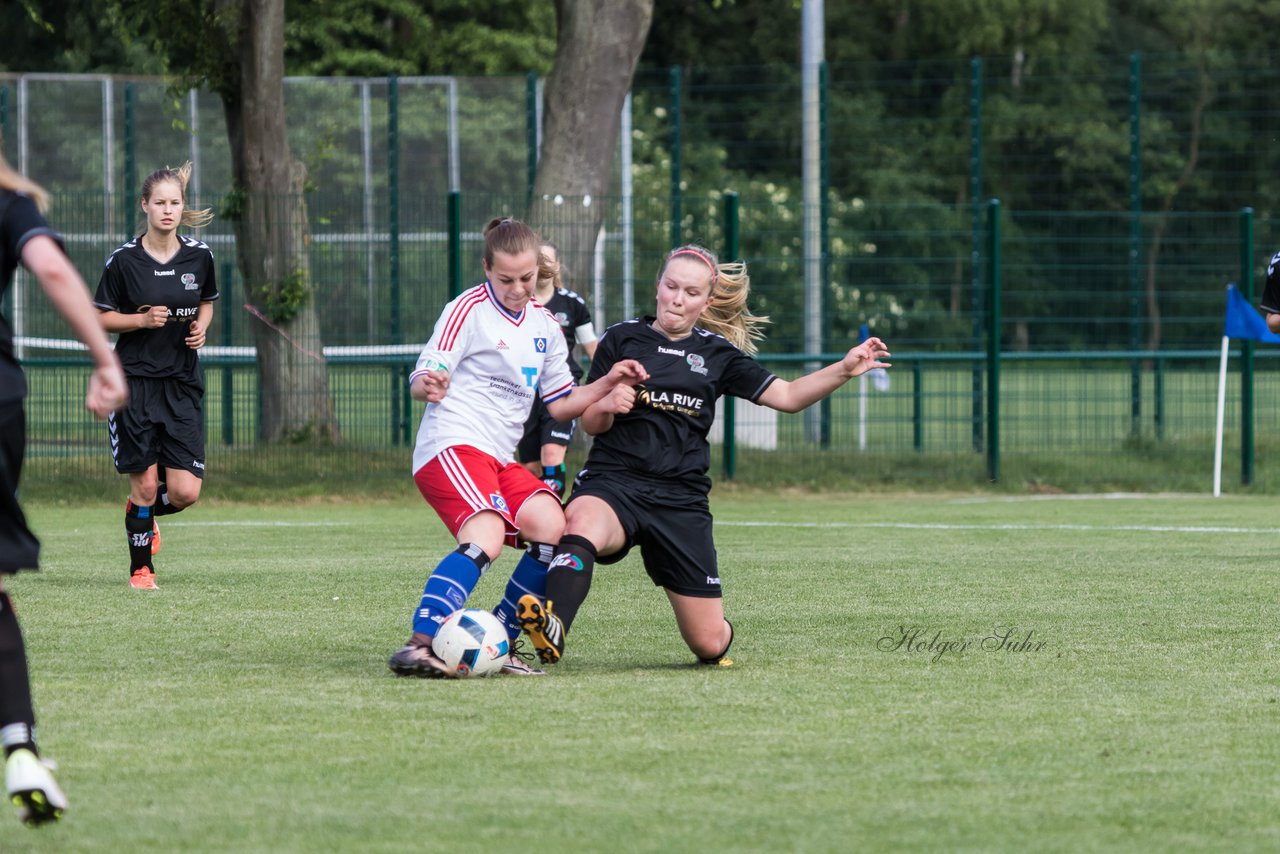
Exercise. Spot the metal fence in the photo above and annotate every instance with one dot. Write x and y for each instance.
(1123, 219)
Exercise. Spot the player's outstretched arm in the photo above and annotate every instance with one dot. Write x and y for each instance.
(624, 372)
(809, 389)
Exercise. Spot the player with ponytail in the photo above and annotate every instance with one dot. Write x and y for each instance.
(157, 292)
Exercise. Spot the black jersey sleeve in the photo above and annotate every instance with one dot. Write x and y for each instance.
(111, 294)
(209, 285)
(745, 377)
(23, 221)
(1271, 292)
(605, 357)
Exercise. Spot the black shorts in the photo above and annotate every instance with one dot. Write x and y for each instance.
(671, 527)
(162, 423)
(541, 429)
(19, 548)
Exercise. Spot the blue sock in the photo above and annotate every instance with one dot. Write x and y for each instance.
(529, 576)
(449, 586)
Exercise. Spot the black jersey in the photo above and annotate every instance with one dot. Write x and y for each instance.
(133, 281)
(570, 310)
(20, 221)
(665, 434)
(1271, 292)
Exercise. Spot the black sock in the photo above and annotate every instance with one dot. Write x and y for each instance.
(17, 718)
(162, 507)
(569, 579)
(137, 527)
(553, 476)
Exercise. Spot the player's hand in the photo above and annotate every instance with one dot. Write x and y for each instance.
(621, 400)
(436, 384)
(153, 317)
(195, 335)
(107, 390)
(628, 372)
(865, 357)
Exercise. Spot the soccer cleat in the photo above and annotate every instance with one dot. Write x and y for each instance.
(543, 628)
(32, 790)
(722, 661)
(155, 537)
(517, 663)
(143, 579)
(417, 660)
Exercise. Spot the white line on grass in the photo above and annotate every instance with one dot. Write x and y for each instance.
(937, 526)
(255, 523)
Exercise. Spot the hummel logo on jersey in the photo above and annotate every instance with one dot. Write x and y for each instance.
(502, 345)
(166, 272)
(711, 580)
(670, 352)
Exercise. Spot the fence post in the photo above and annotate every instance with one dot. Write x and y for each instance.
(1247, 348)
(730, 402)
(455, 244)
(993, 342)
(976, 232)
(1135, 240)
(130, 158)
(228, 372)
(676, 195)
(531, 134)
(399, 414)
(917, 404)
(824, 242)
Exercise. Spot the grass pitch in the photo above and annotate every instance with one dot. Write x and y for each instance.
(912, 673)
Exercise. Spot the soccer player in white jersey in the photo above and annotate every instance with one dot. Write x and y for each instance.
(491, 352)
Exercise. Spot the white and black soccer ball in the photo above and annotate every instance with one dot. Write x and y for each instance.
(472, 643)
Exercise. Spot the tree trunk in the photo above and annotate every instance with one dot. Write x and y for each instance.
(272, 236)
(598, 45)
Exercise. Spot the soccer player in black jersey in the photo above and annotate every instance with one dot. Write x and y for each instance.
(157, 291)
(26, 237)
(645, 480)
(546, 440)
(1271, 294)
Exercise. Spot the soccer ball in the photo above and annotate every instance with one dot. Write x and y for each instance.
(472, 643)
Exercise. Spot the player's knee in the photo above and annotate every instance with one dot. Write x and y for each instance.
(185, 496)
(709, 642)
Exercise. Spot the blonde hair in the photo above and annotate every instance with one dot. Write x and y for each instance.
(510, 237)
(14, 182)
(726, 313)
(181, 175)
(546, 272)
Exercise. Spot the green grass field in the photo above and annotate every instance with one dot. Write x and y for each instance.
(246, 706)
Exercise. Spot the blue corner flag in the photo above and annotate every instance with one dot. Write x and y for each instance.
(1243, 320)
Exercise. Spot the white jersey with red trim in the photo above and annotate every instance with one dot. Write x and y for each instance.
(496, 361)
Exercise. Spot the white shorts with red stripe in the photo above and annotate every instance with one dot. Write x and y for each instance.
(462, 481)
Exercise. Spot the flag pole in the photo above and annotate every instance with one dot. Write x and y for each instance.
(1222, 405)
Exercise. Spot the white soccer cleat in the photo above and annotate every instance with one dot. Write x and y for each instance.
(32, 790)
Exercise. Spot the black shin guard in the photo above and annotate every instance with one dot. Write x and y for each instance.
(137, 526)
(569, 579)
